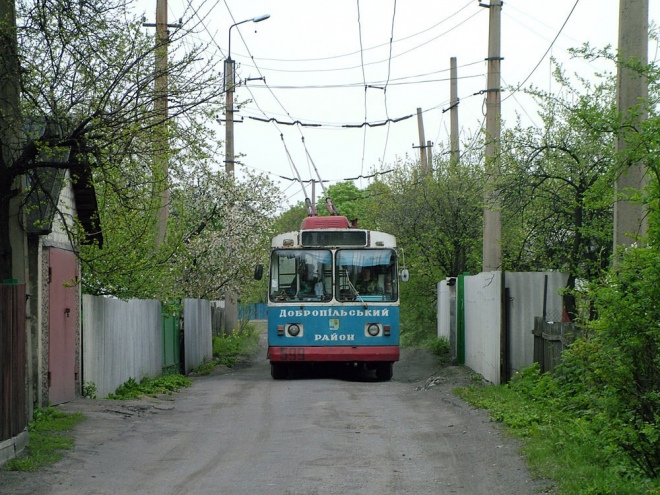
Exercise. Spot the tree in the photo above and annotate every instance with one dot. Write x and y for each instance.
(556, 188)
(437, 222)
(290, 220)
(345, 197)
(87, 79)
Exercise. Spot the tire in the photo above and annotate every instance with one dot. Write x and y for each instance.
(384, 371)
(278, 371)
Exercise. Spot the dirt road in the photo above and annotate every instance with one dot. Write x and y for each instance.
(240, 432)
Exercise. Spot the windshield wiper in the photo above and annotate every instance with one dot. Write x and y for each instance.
(355, 291)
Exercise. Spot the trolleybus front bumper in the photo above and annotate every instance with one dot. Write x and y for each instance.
(346, 354)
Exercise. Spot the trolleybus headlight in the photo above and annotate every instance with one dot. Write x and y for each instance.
(373, 329)
(294, 330)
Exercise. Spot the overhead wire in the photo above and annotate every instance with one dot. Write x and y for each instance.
(389, 73)
(366, 124)
(364, 81)
(517, 88)
(346, 55)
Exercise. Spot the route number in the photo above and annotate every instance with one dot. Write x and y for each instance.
(293, 354)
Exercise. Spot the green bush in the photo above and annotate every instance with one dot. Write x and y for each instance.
(559, 443)
(228, 349)
(439, 346)
(613, 376)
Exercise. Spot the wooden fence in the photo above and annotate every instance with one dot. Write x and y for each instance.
(550, 340)
(13, 416)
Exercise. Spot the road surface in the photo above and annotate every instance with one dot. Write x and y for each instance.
(239, 432)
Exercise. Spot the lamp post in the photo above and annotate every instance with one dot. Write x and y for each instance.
(231, 309)
(229, 95)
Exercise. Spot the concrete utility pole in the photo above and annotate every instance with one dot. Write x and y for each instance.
(231, 306)
(429, 156)
(423, 161)
(161, 112)
(492, 243)
(630, 220)
(453, 113)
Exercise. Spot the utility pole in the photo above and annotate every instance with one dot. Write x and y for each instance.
(429, 156)
(231, 304)
(161, 111)
(453, 115)
(422, 147)
(492, 242)
(630, 220)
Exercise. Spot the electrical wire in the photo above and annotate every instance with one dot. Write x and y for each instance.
(389, 73)
(364, 81)
(517, 88)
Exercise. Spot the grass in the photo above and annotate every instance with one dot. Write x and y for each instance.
(166, 384)
(48, 439)
(557, 445)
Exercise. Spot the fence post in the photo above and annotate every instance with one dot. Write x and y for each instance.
(460, 320)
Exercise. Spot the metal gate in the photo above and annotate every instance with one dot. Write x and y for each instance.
(172, 342)
(63, 321)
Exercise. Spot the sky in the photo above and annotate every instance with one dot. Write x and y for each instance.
(336, 65)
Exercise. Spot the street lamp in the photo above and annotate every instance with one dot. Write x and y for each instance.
(229, 95)
(231, 310)
(254, 19)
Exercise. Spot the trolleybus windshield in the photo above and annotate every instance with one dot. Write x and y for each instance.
(301, 275)
(366, 274)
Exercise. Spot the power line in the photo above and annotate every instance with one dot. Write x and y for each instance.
(545, 54)
(364, 81)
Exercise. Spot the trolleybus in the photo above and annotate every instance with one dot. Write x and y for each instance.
(333, 297)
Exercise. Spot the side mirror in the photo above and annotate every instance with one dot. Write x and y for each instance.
(405, 275)
(258, 271)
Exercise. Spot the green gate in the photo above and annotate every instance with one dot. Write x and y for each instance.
(171, 339)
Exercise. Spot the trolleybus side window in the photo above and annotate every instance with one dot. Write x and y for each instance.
(368, 274)
(301, 275)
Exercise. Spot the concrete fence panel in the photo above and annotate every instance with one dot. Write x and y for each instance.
(482, 324)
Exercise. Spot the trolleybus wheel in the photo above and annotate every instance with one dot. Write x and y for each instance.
(384, 371)
(278, 371)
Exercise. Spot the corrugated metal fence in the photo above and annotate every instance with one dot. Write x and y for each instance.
(133, 339)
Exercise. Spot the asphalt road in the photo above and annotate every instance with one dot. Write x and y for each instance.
(241, 433)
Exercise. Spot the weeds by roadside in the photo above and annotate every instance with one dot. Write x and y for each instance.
(558, 444)
(48, 439)
(230, 349)
(166, 384)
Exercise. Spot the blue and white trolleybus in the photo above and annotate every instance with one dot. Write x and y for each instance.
(333, 297)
